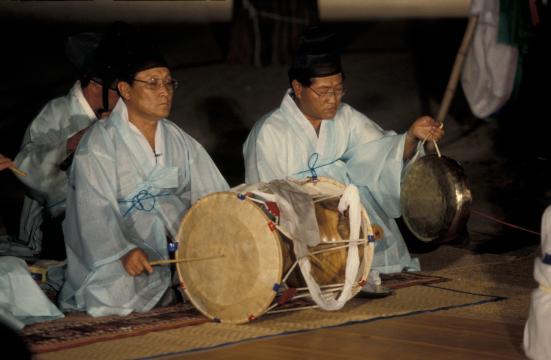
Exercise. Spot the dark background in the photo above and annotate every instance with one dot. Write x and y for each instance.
(396, 71)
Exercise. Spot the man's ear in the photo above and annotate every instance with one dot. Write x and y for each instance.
(124, 90)
(297, 88)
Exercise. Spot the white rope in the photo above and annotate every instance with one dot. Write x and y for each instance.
(351, 200)
(324, 295)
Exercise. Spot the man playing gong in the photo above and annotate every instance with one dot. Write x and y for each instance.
(313, 134)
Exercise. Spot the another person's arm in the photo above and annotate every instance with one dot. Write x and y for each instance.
(5, 162)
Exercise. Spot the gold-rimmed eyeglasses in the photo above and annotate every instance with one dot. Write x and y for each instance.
(155, 84)
(328, 93)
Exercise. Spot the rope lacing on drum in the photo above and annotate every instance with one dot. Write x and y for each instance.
(285, 292)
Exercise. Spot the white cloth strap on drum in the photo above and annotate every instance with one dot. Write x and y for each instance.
(351, 200)
(298, 216)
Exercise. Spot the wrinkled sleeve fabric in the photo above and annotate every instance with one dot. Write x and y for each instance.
(94, 228)
(21, 299)
(44, 148)
(204, 175)
(265, 153)
(374, 159)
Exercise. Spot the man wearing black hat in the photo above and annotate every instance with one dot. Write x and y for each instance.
(313, 134)
(133, 178)
(53, 136)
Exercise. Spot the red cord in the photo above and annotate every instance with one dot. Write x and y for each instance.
(503, 222)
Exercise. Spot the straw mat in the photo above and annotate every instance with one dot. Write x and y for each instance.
(404, 301)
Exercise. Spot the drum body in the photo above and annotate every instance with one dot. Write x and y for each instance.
(435, 198)
(249, 261)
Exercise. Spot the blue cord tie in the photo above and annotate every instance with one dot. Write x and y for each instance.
(547, 259)
(312, 166)
(172, 246)
(139, 201)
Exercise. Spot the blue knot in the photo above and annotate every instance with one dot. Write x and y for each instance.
(276, 287)
(143, 201)
(312, 165)
(312, 161)
(370, 238)
(241, 196)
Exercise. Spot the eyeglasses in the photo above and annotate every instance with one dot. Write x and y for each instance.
(156, 84)
(328, 93)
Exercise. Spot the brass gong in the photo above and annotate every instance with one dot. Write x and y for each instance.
(435, 198)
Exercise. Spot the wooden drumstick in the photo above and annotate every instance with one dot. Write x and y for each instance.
(17, 171)
(174, 261)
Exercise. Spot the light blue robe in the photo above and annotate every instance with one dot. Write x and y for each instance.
(350, 149)
(22, 301)
(122, 196)
(43, 148)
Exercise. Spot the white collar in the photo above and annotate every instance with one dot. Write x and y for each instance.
(76, 91)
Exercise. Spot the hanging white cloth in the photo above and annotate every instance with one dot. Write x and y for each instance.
(489, 70)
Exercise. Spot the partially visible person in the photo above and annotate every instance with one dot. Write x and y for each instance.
(22, 301)
(5, 162)
(537, 332)
(313, 133)
(133, 179)
(53, 136)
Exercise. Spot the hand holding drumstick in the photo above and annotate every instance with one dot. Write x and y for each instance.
(135, 262)
(6, 163)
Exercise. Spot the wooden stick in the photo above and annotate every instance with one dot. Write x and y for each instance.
(17, 171)
(170, 261)
(457, 67)
(454, 76)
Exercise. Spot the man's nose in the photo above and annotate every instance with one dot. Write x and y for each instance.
(165, 88)
(332, 97)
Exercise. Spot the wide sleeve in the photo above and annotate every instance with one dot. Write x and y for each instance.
(374, 159)
(264, 152)
(94, 228)
(204, 176)
(44, 148)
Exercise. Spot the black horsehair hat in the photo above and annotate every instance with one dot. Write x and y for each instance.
(138, 53)
(82, 51)
(317, 55)
(118, 54)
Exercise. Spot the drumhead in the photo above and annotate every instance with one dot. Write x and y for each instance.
(239, 285)
(435, 197)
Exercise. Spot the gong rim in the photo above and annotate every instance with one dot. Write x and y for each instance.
(435, 198)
